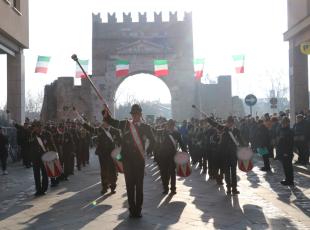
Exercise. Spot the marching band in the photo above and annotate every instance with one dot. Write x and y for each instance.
(216, 146)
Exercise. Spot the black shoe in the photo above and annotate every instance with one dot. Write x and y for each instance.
(113, 191)
(40, 193)
(173, 192)
(37, 194)
(135, 215)
(228, 192)
(264, 169)
(103, 191)
(165, 192)
(235, 192)
(287, 183)
(138, 215)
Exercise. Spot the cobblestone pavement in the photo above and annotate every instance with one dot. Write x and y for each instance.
(199, 203)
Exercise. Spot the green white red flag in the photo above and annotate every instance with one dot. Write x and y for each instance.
(122, 68)
(78, 71)
(42, 64)
(198, 67)
(239, 63)
(160, 68)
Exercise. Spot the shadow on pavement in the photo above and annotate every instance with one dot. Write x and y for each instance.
(71, 213)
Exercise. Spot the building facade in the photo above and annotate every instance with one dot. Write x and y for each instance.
(297, 34)
(14, 38)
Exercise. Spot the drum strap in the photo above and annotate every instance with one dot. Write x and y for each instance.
(108, 134)
(173, 142)
(136, 138)
(41, 143)
(233, 138)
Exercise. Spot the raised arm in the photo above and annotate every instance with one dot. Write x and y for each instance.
(116, 123)
(90, 128)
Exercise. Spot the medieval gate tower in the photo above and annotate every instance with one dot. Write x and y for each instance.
(140, 43)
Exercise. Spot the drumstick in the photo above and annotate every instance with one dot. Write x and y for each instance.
(78, 115)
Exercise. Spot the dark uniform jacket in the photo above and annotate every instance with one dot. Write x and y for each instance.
(286, 142)
(167, 149)
(104, 144)
(130, 151)
(3, 144)
(36, 149)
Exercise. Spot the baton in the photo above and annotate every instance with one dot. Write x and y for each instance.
(75, 58)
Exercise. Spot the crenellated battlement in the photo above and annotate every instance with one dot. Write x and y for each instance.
(142, 18)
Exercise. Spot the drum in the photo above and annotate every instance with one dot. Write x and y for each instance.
(117, 159)
(245, 155)
(183, 166)
(52, 164)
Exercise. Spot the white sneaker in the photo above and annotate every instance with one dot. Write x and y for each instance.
(5, 172)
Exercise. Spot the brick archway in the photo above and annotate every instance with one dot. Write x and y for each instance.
(140, 43)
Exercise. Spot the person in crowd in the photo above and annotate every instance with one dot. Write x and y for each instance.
(263, 143)
(168, 148)
(134, 133)
(108, 138)
(231, 137)
(285, 150)
(23, 133)
(3, 151)
(41, 141)
(301, 140)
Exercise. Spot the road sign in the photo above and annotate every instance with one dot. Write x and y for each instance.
(250, 100)
(305, 48)
(273, 101)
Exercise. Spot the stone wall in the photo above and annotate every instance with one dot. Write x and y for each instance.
(141, 43)
(62, 95)
(217, 98)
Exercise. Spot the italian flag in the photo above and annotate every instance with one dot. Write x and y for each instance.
(122, 68)
(78, 72)
(160, 68)
(198, 67)
(42, 64)
(239, 63)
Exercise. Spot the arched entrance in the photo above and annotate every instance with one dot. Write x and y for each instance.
(140, 43)
(148, 91)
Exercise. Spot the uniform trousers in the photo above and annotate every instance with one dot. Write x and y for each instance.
(40, 176)
(134, 176)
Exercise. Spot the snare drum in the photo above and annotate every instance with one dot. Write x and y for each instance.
(182, 161)
(117, 159)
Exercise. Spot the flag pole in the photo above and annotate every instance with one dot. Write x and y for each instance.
(75, 58)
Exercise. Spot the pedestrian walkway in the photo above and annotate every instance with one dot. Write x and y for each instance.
(198, 204)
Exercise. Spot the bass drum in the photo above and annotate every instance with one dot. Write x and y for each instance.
(183, 166)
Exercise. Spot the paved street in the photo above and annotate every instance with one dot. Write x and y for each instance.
(198, 204)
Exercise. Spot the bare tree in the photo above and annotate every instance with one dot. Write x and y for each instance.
(279, 88)
(34, 104)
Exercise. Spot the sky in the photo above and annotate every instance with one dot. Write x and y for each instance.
(221, 28)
